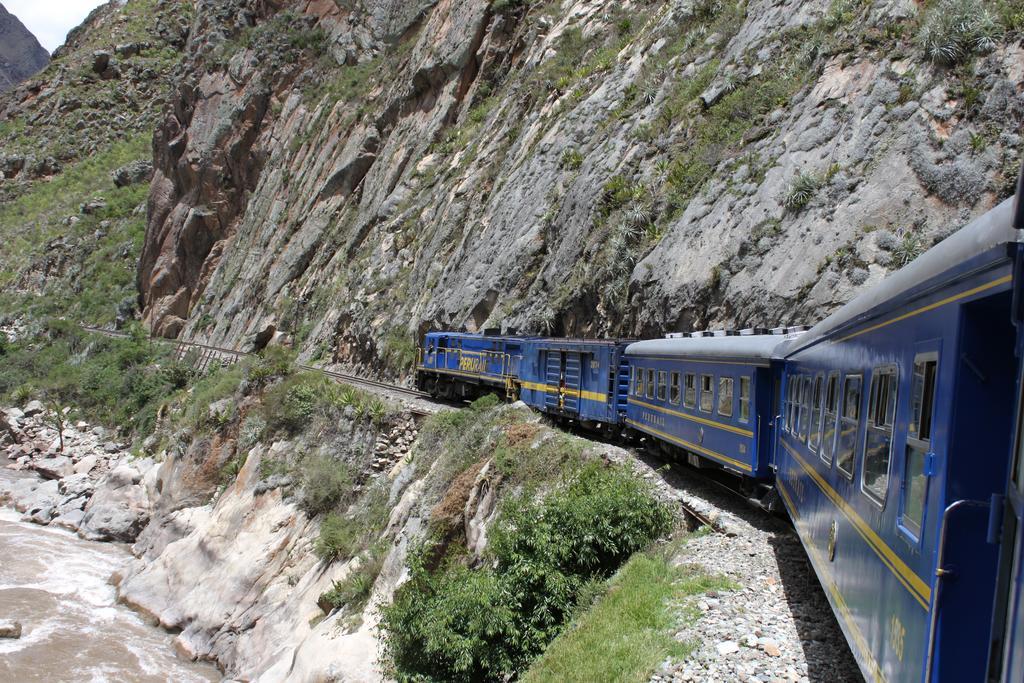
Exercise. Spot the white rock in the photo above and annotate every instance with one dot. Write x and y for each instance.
(728, 647)
(86, 464)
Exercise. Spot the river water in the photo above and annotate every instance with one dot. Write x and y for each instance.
(57, 586)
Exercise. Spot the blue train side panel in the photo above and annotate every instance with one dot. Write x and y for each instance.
(585, 380)
(897, 430)
(711, 397)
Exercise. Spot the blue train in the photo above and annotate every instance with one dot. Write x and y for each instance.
(891, 433)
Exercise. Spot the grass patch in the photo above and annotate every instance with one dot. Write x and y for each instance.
(627, 632)
(30, 219)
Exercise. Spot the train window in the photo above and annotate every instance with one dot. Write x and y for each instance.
(744, 399)
(828, 425)
(650, 383)
(673, 394)
(849, 423)
(639, 391)
(707, 393)
(662, 384)
(919, 434)
(725, 396)
(814, 439)
(805, 407)
(790, 386)
(874, 476)
(690, 393)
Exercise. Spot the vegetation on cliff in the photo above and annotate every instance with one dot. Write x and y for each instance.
(451, 622)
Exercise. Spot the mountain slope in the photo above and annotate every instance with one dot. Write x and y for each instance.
(21, 55)
(70, 233)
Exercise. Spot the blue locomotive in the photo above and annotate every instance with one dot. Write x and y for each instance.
(891, 432)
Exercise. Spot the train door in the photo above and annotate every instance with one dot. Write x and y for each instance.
(775, 417)
(554, 365)
(572, 381)
(977, 458)
(622, 388)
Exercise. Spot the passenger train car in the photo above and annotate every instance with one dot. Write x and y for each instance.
(710, 398)
(891, 432)
(894, 451)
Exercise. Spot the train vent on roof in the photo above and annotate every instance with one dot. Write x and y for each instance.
(793, 329)
(746, 332)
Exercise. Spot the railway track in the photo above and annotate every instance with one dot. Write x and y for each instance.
(208, 354)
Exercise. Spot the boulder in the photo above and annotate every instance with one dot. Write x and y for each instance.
(76, 485)
(119, 508)
(101, 61)
(86, 464)
(40, 506)
(130, 174)
(113, 521)
(7, 429)
(33, 408)
(93, 206)
(10, 629)
(70, 520)
(130, 49)
(54, 468)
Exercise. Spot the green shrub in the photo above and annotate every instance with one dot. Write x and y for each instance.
(458, 624)
(325, 482)
(337, 538)
(572, 159)
(232, 467)
(271, 363)
(907, 249)
(290, 404)
(354, 590)
(954, 30)
(249, 434)
(112, 381)
(220, 384)
(399, 351)
(628, 631)
(270, 467)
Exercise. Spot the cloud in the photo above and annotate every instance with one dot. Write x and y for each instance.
(50, 20)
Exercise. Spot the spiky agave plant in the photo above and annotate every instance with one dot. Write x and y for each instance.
(801, 190)
(953, 30)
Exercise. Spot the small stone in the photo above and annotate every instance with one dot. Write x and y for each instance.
(728, 647)
(772, 650)
(10, 629)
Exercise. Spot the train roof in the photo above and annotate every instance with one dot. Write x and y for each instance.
(757, 349)
(986, 232)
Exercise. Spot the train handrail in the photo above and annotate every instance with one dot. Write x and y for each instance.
(940, 574)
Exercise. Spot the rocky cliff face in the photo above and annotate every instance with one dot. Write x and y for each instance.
(21, 55)
(353, 173)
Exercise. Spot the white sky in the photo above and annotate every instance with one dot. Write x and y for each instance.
(50, 20)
